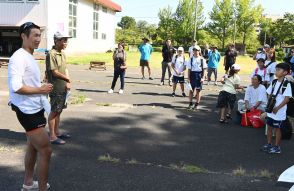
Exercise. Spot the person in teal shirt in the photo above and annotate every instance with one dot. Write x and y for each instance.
(146, 50)
(214, 58)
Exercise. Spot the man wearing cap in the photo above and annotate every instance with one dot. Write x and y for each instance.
(214, 58)
(194, 45)
(167, 54)
(146, 50)
(57, 74)
(25, 97)
(262, 52)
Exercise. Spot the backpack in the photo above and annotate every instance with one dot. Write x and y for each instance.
(264, 71)
(191, 62)
(177, 58)
(290, 105)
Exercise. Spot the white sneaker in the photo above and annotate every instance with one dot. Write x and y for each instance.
(121, 91)
(215, 83)
(208, 83)
(110, 91)
(34, 186)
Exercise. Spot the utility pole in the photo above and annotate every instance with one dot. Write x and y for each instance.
(196, 17)
(235, 24)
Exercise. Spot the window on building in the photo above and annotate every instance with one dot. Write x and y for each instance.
(72, 27)
(104, 9)
(95, 21)
(11, 1)
(104, 36)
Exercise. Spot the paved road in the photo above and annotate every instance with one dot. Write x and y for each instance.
(149, 127)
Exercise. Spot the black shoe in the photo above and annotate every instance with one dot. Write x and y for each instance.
(143, 78)
(173, 94)
(195, 106)
(150, 78)
(190, 107)
(183, 94)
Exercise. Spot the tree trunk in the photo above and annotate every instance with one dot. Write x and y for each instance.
(244, 42)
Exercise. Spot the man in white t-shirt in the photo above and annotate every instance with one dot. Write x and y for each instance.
(281, 91)
(26, 93)
(271, 64)
(194, 45)
(255, 95)
(195, 65)
(178, 67)
(262, 71)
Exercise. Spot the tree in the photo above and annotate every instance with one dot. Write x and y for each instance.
(247, 17)
(221, 20)
(166, 24)
(184, 18)
(265, 26)
(127, 23)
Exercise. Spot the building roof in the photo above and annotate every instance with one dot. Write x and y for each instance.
(109, 4)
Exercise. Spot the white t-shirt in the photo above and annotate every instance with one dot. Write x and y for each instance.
(255, 95)
(179, 65)
(271, 69)
(23, 70)
(261, 55)
(263, 73)
(196, 64)
(230, 83)
(281, 114)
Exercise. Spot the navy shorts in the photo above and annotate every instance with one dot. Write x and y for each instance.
(196, 80)
(177, 79)
(274, 123)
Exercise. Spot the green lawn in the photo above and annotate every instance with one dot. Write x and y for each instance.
(246, 62)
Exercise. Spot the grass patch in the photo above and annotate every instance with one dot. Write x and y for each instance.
(78, 99)
(265, 174)
(247, 63)
(104, 104)
(108, 158)
(193, 169)
(239, 171)
(132, 161)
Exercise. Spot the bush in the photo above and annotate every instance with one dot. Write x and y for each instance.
(157, 49)
(280, 55)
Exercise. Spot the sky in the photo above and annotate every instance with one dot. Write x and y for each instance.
(148, 9)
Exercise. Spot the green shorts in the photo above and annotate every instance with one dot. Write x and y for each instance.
(57, 101)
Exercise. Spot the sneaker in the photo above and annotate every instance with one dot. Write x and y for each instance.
(208, 83)
(195, 106)
(173, 94)
(143, 78)
(121, 91)
(275, 150)
(215, 83)
(183, 94)
(150, 78)
(34, 186)
(266, 147)
(190, 107)
(110, 91)
(161, 84)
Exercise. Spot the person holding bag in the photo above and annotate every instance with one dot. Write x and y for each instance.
(119, 58)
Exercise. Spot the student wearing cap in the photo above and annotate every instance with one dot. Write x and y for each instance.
(57, 74)
(25, 94)
(146, 50)
(178, 66)
(227, 96)
(195, 65)
(194, 45)
(262, 52)
(167, 54)
(214, 58)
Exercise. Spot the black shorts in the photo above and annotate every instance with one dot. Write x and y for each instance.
(177, 79)
(228, 65)
(30, 122)
(196, 80)
(144, 63)
(226, 99)
(274, 123)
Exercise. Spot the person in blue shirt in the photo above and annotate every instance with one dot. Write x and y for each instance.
(213, 62)
(146, 50)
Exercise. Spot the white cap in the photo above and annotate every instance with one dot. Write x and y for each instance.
(181, 49)
(196, 48)
(236, 67)
(60, 35)
(266, 46)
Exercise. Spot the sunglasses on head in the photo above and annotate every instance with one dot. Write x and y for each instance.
(28, 25)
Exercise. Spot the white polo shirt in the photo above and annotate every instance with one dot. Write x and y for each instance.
(23, 70)
(195, 66)
(179, 62)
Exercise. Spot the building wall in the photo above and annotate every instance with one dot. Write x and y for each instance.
(84, 43)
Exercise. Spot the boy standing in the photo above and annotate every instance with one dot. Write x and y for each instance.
(280, 91)
(178, 66)
(146, 51)
(195, 67)
(213, 61)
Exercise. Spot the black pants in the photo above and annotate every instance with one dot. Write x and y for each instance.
(164, 66)
(121, 74)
